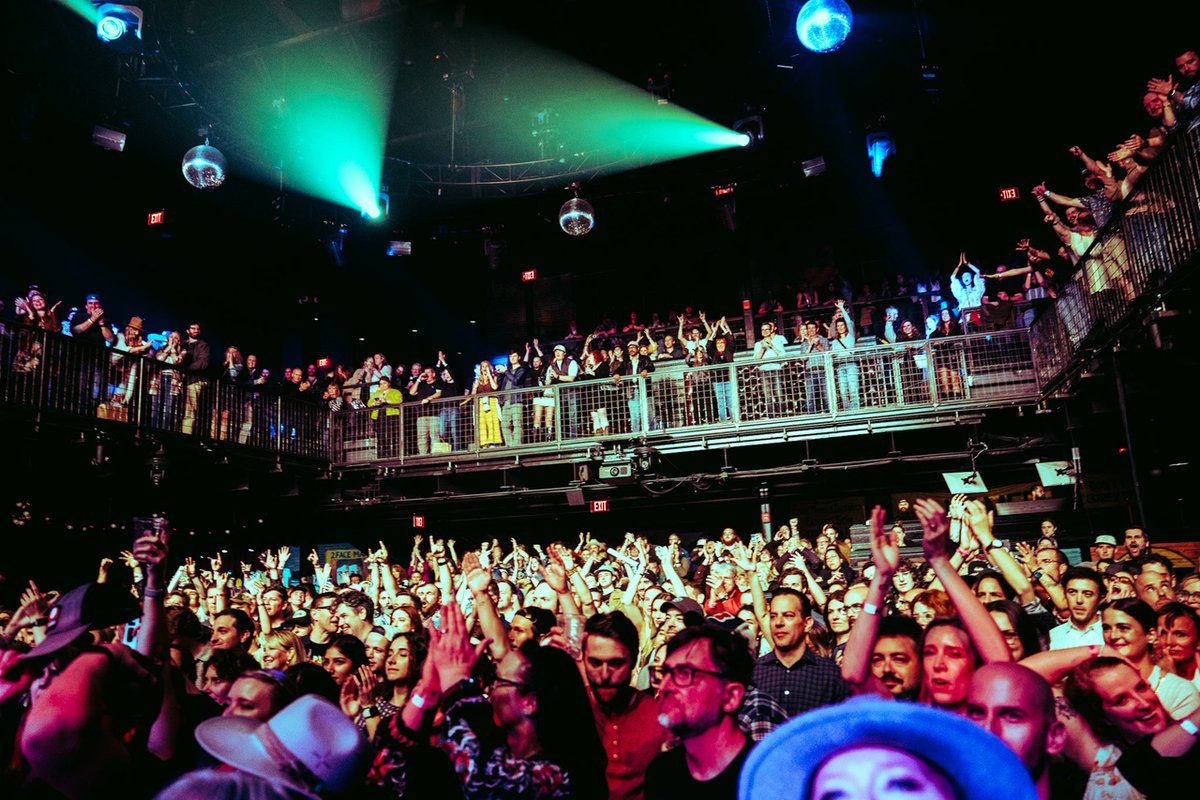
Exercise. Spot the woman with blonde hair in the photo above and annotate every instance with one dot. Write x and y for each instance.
(280, 649)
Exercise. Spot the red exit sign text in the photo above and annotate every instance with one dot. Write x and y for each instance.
(1009, 193)
(155, 217)
(529, 275)
(418, 521)
(599, 506)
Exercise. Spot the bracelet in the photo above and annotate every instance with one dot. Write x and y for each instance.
(870, 608)
(367, 712)
(964, 552)
(152, 593)
(1189, 727)
(417, 700)
(1094, 650)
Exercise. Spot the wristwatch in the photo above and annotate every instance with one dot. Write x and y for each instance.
(994, 544)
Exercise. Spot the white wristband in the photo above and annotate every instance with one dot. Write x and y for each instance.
(870, 608)
(1189, 727)
(417, 700)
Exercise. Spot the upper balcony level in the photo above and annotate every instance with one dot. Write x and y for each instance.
(609, 428)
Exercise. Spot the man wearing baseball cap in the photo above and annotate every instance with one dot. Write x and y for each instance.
(1104, 548)
(565, 369)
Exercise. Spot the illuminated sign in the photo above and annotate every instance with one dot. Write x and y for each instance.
(1009, 193)
(599, 506)
(155, 217)
(529, 275)
(418, 520)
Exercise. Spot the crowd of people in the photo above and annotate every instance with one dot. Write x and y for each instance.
(622, 669)
(760, 666)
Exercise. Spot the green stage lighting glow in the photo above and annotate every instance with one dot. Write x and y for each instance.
(358, 187)
(317, 113)
(83, 8)
(544, 104)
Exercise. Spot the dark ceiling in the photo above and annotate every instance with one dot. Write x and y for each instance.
(1017, 83)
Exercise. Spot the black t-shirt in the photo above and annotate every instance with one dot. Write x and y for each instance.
(424, 389)
(668, 777)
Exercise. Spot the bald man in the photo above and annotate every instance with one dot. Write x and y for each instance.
(1017, 705)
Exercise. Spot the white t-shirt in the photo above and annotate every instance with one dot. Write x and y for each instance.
(1178, 696)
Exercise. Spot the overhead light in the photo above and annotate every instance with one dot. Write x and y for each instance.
(108, 138)
(880, 145)
(120, 25)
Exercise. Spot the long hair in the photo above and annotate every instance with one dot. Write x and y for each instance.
(565, 726)
(1027, 631)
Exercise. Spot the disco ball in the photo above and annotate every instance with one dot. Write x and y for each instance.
(204, 167)
(823, 25)
(576, 217)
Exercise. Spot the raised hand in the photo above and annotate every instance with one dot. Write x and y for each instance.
(313, 558)
(1075, 150)
(978, 520)
(247, 569)
(128, 559)
(556, 576)
(450, 647)
(216, 563)
(382, 552)
(741, 558)
(936, 539)
(285, 553)
(268, 560)
(885, 550)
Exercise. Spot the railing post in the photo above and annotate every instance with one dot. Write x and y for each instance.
(735, 396)
(831, 385)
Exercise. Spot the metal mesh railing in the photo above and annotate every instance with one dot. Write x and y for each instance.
(1153, 232)
(47, 371)
(872, 382)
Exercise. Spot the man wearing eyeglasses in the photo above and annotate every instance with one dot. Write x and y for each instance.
(702, 682)
(324, 625)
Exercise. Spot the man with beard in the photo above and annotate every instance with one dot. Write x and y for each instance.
(702, 683)
(894, 661)
(1017, 705)
(881, 655)
(627, 719)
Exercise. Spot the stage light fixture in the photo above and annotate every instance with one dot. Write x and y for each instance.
(204, 166)
(120, 25)
(823, 25)
(880, 145)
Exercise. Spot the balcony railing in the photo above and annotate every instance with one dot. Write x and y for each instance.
(49, 372)
(1150, 238)
(681, 403)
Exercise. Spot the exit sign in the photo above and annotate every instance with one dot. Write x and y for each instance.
(155, 217)
(529, 275)
(1009, 193)
(418, 520)
(599, 506)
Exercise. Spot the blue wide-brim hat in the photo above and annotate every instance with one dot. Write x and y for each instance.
(980, 765)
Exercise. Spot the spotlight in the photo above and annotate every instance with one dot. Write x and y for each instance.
(823, 25)
(204, 166)
(576, 217)
(120, 25)
(751, 128)
(880, 145)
